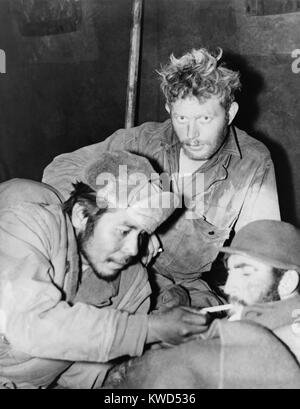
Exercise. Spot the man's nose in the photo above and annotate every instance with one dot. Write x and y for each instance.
(193, 130)
(231, 285)
(131, 245)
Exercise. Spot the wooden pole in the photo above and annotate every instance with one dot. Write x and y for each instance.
(134, 54)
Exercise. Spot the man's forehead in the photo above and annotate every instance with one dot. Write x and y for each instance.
(124, 217)
(193, 105)
(240, 261)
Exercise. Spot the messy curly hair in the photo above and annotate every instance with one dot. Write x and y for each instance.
(199, 73)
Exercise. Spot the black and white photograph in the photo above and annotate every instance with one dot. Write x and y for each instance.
(149, 197)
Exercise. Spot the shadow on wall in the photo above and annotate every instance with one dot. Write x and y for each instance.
(284, 179)
(249, 112)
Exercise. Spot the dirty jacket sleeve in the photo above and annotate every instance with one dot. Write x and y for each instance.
(261, 200)
(35, 317)
(67, 168)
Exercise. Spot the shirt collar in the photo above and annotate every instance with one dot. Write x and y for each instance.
(231, 144)
(273, 314)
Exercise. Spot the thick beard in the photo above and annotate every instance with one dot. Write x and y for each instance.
(270, 296)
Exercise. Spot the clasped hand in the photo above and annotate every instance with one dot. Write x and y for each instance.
(176, 325)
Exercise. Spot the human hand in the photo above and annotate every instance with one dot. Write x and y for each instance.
(176, 325)
(153, 249)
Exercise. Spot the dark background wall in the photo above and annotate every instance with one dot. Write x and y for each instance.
(64, 91)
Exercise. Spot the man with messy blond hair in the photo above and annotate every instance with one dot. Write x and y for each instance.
(225, 177)
(196, 74)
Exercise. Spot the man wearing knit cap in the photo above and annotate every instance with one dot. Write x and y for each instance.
(259, 345)
(73, 295)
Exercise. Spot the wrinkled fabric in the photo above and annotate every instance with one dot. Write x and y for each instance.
(251, 353)
(231, 189)
(44, 325)
(16, 191)
(241, 355)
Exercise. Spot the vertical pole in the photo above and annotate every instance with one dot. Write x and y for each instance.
(133, 67)
(2, 62)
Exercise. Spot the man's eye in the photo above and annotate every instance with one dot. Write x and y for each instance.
(123, 231)
(205, 119)
(181, 119)
(248, 271)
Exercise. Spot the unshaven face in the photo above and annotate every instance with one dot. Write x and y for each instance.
(250, 281)
(113, 243)
(201, 127)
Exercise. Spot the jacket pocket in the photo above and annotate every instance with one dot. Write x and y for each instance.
(191, 246)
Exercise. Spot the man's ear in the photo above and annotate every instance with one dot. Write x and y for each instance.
(78, 218)
(168, 109)
(233, 110)
(288, 283)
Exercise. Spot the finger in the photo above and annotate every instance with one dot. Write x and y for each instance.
(194, 331)
(195, 312)
(151, 250)
(147, 258)
(195, 319)
(144, 260)
(190, 311)
(155, 244)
